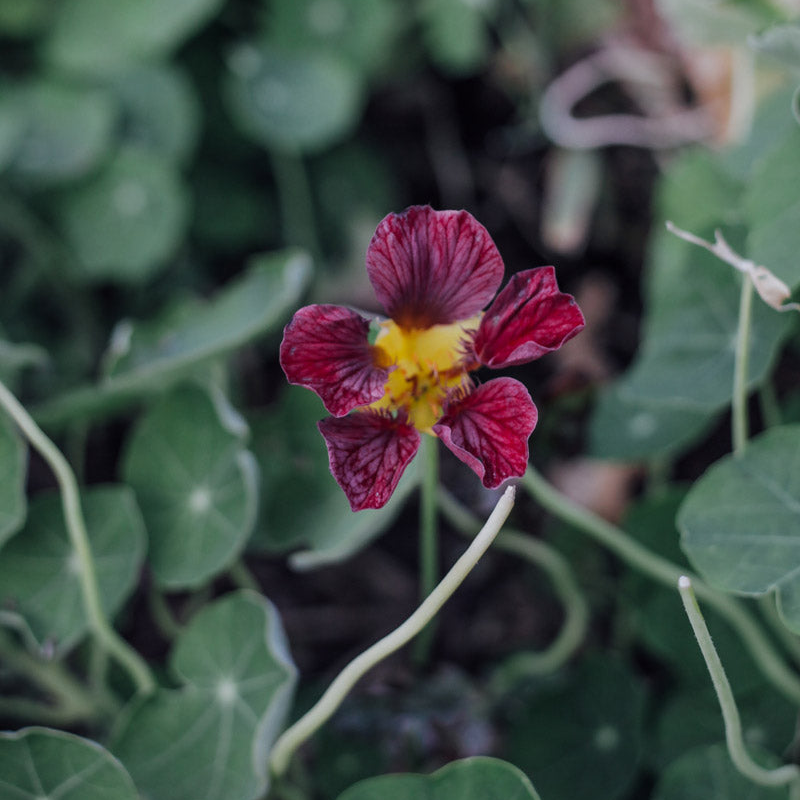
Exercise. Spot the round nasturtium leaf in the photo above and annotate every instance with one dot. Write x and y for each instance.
(39, 570)
(196, 484)
(477, 778)
(65, 130)
(291, 101)
(91, 36)
(707, 773)
(740, 523)
(41, 763)
(128, 220)
(590, 743)
(210, 738)
(159, 109)
(13, 470)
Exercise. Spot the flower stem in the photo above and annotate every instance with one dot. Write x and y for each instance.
(428, 538)
(79, 538)
(788, 773)
(557, 568)
(310, 722)
(740, 423)
(665, 572)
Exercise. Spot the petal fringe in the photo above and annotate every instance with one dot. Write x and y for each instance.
(368, 453)
(529, 318)
(433, 267)
(325, 349)
(488, 430)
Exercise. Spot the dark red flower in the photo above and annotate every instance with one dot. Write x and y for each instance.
(433, 272)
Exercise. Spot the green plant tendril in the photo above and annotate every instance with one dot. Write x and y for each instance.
(79, 539)
(780, 776)
(312, 720)
(665, 572)
(549, 560)
(739, 416)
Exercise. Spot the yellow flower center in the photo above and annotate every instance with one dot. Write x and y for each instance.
(428, 363)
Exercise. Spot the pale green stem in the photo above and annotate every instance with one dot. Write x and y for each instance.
(779, 776)
(576, 610)
(310, 722)
(162, 614)
(76, 528)
(739, 416)
(296, 201)
(665, 572)
(73, 702)
(242, 577)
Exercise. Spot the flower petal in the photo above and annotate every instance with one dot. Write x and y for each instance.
(488, 430)
(325, 348)
(529, 318)
(433, 267)
(368, 453)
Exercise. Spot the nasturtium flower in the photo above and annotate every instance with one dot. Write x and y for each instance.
(433, 272)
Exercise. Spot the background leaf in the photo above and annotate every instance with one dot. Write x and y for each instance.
(708, 774)
(128, 221)
(211, 738)
(292, 101)
(740, 523)
(90, 36)
(13, 474)
(196, 484)
(477, 778)
(39, 569)
(44, 763)
(593, 736)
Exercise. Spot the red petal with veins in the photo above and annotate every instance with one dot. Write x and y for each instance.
(529, 318)
(325, 348)
(432, 267)
(488, 430)
(368, 453)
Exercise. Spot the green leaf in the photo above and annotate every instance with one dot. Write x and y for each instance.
(362, 32)
(686, 359)
(780, 43)
(477, 778)
(455, 34)
(712, 23)
(196, 484)
(91, 36)
(23, 17)
(740, 522)
(160, 110)
(627, 429)
(707, 773)
(39, 569)
(210, 739)
(151, 356)
(13, 473)
(302, 506)
(772, 204)
(291, 101)
(39, 763)
(126, 223)
(589, 745)
(66, 130)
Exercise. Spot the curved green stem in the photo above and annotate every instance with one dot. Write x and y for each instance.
(76, 528)
(310, 722)
(739, 417)
(73, 702)
(576, 610)
(780, 776)
(665, 572)
(789, 640)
